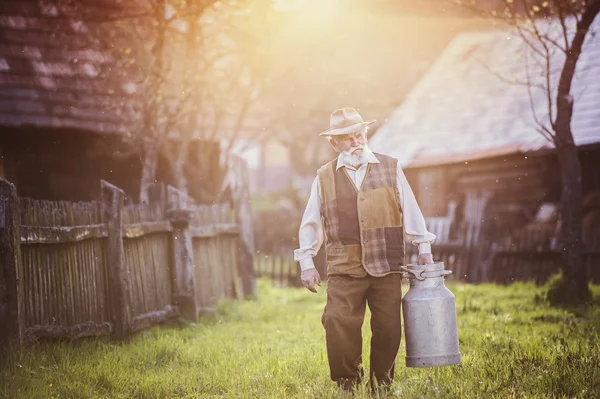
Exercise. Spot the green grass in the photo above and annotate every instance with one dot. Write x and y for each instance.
(513, 346)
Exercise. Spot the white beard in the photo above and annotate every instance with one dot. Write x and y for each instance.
(355, 160)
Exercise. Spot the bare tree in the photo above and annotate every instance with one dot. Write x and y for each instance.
(167, 74)
(150, 50)
(190, 74)
(554, 32)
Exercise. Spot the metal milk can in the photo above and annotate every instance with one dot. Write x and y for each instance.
(429, 318)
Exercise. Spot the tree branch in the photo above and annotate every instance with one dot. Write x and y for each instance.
(540, 125)
(561, 18)
(502, 78)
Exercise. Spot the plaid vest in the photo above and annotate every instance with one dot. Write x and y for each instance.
(363, 226)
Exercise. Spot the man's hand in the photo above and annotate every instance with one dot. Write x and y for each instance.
(309, 278)
(425, 259)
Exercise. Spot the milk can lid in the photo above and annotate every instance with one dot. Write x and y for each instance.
(434, 267)
(421, 272)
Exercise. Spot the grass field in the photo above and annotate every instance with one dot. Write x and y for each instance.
(513, 346)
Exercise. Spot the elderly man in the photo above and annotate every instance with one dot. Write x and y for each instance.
(362, 203)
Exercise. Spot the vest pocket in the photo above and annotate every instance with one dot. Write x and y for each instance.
(336, 255)
(345, 260)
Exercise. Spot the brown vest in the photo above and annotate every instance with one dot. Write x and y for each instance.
(363, 226)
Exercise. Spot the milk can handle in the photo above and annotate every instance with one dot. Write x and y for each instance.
(419, 274)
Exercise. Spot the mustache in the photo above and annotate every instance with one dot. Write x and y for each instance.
(351, 150)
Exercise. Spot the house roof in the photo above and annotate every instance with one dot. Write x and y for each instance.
(52, 71)
(473, 103)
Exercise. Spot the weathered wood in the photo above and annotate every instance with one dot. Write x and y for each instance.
(214, 230)
(109, 268)
(11, 268)
(61, 234)
(183, 265)
(87, 329)
(211, 270)
(119, 277)
(154, 317)
(146, 228)
(202, 272)
(177, 199)
(159, 250)
(139, 213)
(508, 267)
(42, 213)
(243, 218)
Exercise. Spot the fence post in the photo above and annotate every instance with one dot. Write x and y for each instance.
(184, 292)
(118, 272)
(243, 215)
(11, 268)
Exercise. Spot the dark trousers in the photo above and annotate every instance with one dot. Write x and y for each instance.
(343, 317)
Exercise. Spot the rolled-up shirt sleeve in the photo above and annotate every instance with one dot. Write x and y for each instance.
(414, 222)
(311, 229)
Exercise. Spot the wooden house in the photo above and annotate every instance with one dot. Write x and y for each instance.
(467, 139)
(60, 129)
(65, 112)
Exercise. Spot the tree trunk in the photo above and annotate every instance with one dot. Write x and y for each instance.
(148, 170)
(575, 286)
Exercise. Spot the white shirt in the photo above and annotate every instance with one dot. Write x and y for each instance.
(311, 229)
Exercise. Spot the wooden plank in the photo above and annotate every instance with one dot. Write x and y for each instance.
(42, 213)
(146, 228)
(45, 293)
(26, 286)
(147, 298)
(101, 306)
(90, 264)
(154, 317)
(119, 277)
(137, 263)
(214, 230)
(233, 266)
(81, 283)
(184, 275)
(243, 217)
(35, 332)
(220, 266)
(70, 297)
(37, 269)
(229, 264)
(61, 234)
(166, 270)
(205, 272)
(12, 300)
(84, 263)
(162, 269)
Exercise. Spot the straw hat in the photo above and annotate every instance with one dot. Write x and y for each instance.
(345, 121)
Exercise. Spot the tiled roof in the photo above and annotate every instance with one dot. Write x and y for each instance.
(465, 107)
(52, 71)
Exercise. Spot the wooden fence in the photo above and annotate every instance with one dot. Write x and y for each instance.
(501, 265)
(473, 255)
(95, 268)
